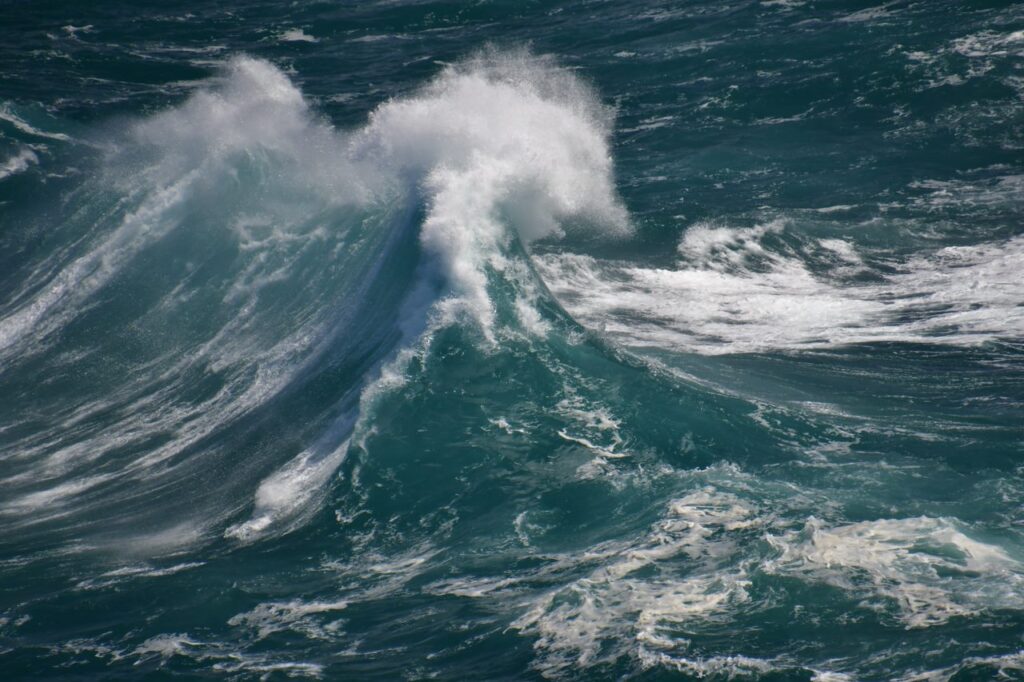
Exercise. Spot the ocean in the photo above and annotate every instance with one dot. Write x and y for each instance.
(497, 340)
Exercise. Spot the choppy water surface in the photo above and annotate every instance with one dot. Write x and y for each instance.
(583, 340)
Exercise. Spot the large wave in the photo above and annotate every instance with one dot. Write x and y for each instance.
(228, 251)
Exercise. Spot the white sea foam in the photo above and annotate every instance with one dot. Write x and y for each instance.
(165, 646)
(990, 44)
(297, 35)
(294, 616)
(18, 163)
(49, 498)
(22, 125)
(1007, 666)
(223, 656)
(732, 294)
(651, 598)
(267, 667)
(289, 492)
(870, 14)
(927, 567)
(220, 656)
(119, 575)
(970, 57)
(615, 610)
(730, 667)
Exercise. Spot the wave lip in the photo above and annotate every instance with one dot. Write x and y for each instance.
(500, 141)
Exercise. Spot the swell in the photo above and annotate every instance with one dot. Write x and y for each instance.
(237, 279)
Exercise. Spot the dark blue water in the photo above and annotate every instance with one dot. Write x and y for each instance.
(584, 340)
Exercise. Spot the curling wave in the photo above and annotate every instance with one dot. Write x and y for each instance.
(241, 245)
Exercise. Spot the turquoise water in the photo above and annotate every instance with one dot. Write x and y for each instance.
(588, 340)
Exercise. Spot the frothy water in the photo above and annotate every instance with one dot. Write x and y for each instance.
(656, 342)
(730, 293)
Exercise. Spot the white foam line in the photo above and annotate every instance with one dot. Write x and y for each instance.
(7, 115)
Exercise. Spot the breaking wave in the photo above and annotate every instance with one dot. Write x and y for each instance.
(240, 242)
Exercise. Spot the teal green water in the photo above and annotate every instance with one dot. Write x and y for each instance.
(584, 340)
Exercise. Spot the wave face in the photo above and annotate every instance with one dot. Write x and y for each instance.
(263, 248)
(336, 343)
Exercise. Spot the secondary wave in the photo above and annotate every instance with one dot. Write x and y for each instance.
(742, 290)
